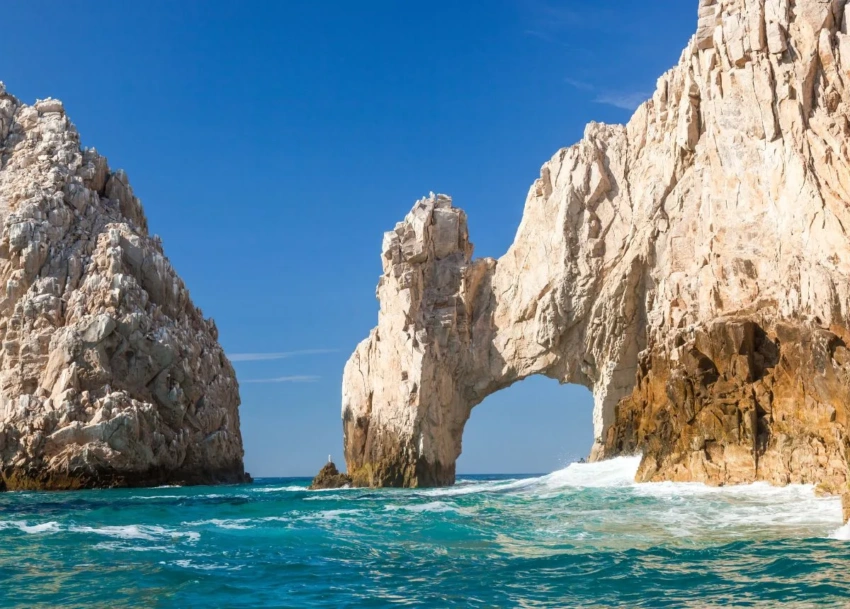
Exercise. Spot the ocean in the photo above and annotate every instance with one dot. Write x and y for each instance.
(585, 536)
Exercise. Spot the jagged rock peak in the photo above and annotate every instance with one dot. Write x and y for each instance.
(692, 268)
(109, 375)
(329, 477)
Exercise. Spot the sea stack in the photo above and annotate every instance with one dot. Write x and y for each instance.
(329, 477)
(109, 375)
(691, 268)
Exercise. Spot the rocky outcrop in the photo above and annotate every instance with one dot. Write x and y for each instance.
(845, 506)
(329, 477)
(734, 402)
(109, 375)
(692, 268)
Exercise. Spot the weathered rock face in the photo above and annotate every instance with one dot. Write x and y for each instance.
(329, 477)
(109, 375)
(731, 402)
(692, 268)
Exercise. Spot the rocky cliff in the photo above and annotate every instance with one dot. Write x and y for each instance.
(109, 375)
(692, 268)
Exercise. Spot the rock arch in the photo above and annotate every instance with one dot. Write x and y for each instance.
(692, 268)
(472, 327)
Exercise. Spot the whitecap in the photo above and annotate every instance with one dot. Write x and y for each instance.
(236, 524)
(481, 487)
(188, 564)
(617, 472)
(612, 473)
(433, 506)
(187, 497)
(275, 519)
(31, 529)
(280, 489)
(121, 546)
(334, 514)
(137, 532)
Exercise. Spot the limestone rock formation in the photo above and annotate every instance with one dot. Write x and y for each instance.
(845, 507)
(692, 268)
(109, 375)
(329, 477)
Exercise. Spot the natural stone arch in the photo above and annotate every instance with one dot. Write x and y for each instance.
(692, 268)
(454, 330)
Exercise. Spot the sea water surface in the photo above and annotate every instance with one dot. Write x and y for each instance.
(585, 536)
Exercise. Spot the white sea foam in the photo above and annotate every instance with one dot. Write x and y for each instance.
(125, 532)
(612, 473)
(334, 514)
(188, 564)
(603, 474)
(682, 509)
(187, 496)
(123, 546)
(32, 529)
(235, 524)
(481, 487)
(433, 506)
(280, 489)
(686, 510)
(137, 532)
(841, 533)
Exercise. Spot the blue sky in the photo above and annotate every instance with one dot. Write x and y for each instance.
(272, 143)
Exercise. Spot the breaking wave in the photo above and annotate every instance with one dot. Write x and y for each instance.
(586, 535)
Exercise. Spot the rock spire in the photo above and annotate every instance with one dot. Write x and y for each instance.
(109, 375)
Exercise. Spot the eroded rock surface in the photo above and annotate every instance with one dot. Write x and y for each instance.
(109, 375)
(329, 477)
(692, 268)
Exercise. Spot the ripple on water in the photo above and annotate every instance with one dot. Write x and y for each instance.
(585, 536)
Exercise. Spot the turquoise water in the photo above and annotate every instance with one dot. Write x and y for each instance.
(582, 537)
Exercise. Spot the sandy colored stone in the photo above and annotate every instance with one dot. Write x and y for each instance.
(845, 506)
(692, 268)
(109, 375)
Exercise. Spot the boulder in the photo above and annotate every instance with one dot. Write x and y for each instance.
(329, 477)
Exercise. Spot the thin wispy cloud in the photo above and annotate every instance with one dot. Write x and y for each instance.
(552, 21)
(553, 24)
(554, 16)
(286, 379)
(265, 357)
(625, 100)
(579, 84)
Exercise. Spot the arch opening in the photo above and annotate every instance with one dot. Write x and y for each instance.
(535, 426)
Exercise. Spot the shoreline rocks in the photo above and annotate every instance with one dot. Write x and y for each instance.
(329, 477)
(845, 506)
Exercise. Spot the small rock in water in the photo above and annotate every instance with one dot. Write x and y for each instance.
(329, 477)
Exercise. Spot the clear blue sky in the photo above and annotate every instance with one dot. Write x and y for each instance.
(272, 143)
